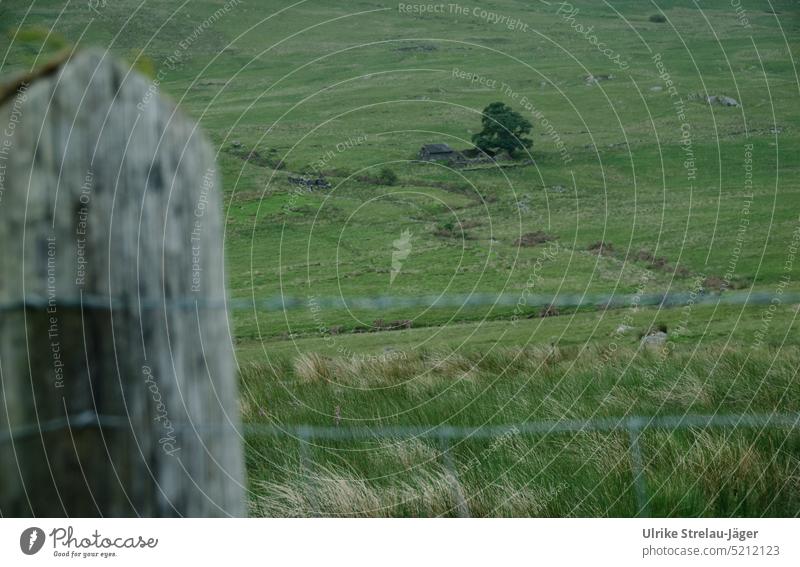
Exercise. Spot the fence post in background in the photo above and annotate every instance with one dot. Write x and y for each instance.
(462, 506)
(635, 425)
(118, 389)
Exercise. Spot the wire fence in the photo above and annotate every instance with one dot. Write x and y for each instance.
(378, 303)
(562, 300)
(446, 435)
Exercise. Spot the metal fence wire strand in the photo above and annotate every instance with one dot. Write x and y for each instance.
(444, 435)
(379, 303)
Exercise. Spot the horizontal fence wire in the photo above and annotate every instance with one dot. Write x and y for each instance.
(451, 432)
(83, 420)
(89, 419)
(445, 435)
(384, 302)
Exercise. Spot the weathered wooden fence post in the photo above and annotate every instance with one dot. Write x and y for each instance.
(118, 390)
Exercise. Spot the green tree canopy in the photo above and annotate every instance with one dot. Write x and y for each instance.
(503, 129)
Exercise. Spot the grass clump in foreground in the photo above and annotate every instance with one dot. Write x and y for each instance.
(688, 472)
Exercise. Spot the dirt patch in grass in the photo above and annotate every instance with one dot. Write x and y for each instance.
(549, 311)
(716, 283)
(255, 158)
(451, 229)
(534, 238)
(662, 264)
(602, 248)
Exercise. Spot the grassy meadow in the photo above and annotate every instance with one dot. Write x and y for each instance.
(692, 472)
(686, 197)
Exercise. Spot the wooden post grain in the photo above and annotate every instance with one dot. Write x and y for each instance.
(118, 392)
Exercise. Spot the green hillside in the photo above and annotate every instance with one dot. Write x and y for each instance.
(636, 187)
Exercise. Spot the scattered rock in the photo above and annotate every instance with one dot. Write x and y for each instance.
(657, 89)
(623, 329)
(309, 183)
(594, 79)
(722, 100)
(556, 189)
(524, 203)
(655, 340)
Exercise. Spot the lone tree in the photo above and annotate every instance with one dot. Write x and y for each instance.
(503, 129)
